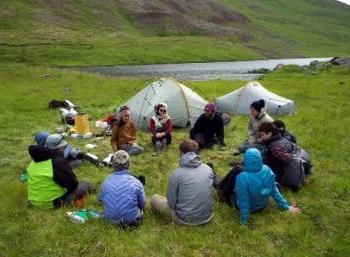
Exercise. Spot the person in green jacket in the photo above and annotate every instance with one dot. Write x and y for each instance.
(51, 181)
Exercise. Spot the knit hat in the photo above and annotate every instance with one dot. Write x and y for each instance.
(258, 105)
(210, 107)
(55, 141)
(121, 158)
(40, 137)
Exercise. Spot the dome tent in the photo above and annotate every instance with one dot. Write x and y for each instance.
(184, 105)
(238, 101)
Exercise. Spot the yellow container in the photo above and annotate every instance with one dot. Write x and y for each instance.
(82, 123)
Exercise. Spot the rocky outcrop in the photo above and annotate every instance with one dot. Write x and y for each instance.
(341, 61)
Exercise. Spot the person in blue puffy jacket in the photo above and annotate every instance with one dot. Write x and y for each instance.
(255, 185)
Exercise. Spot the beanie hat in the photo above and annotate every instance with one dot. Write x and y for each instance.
(258, 105)
(55, 141)
(210, 107)
(40, 137)
(121, 158)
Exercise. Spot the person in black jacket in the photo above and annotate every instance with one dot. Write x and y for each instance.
(209, 128)
(51, 181)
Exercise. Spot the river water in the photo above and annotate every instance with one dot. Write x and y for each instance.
(197, 71)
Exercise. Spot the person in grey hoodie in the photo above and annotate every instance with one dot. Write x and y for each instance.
(189, 199)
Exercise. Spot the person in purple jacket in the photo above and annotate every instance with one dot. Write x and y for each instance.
(122, 194)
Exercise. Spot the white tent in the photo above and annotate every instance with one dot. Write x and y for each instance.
(238, 101)
(184, 105)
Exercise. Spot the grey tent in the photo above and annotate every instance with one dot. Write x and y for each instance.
(184, 105)
(238, 101)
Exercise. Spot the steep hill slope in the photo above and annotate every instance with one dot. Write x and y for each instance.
(93, 32)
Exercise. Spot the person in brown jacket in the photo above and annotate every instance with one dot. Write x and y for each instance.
(124, 134)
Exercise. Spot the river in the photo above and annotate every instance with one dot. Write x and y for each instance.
(197, 71)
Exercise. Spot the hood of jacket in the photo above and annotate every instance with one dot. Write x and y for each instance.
(39, 153)
(190, 160)
(252, 160)
(262, 113)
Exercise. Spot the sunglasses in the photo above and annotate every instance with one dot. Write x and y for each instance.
(162, 110)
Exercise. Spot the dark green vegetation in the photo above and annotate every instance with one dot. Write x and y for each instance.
(110, 32)
(321, 124)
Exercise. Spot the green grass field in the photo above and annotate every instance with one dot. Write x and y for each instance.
(321, 124)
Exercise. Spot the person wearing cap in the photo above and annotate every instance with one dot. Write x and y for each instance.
(124, 133)
(122, 194)
(51, 181)
(255, 185)
(160, 127)
(189, 199)
(209, 128)
(74, 156)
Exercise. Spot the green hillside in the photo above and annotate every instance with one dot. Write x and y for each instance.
(107, 32)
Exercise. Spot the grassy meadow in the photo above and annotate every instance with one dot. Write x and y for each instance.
(321, 124)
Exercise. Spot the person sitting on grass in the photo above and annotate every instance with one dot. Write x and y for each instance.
(284, 133)
(124, 133)
(51, 181)
(255, 185)
(209, 128)
(189, 199)
(279, 156)
(258, 115)
(122, 194)
(161, 127)
(74, 156)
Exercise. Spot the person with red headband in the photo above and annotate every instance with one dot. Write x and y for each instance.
(209, 128)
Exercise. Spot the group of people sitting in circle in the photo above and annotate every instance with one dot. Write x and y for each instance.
(189, 198)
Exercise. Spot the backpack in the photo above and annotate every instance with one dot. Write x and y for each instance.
(297, 169)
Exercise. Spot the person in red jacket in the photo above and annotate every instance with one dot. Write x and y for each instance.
(161, 127)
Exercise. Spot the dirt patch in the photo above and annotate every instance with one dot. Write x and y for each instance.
(183, 17)
(223, 15)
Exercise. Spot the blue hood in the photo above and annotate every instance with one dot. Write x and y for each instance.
(190, 160)
(252, 160)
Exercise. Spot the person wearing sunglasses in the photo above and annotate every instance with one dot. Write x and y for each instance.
(160, 127)
(209, 128)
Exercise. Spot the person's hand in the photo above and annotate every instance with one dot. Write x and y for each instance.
(294, 209)
(159, 135)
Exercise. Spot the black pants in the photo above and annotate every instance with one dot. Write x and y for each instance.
(205, 142)
(226, 186)
(83, 189)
